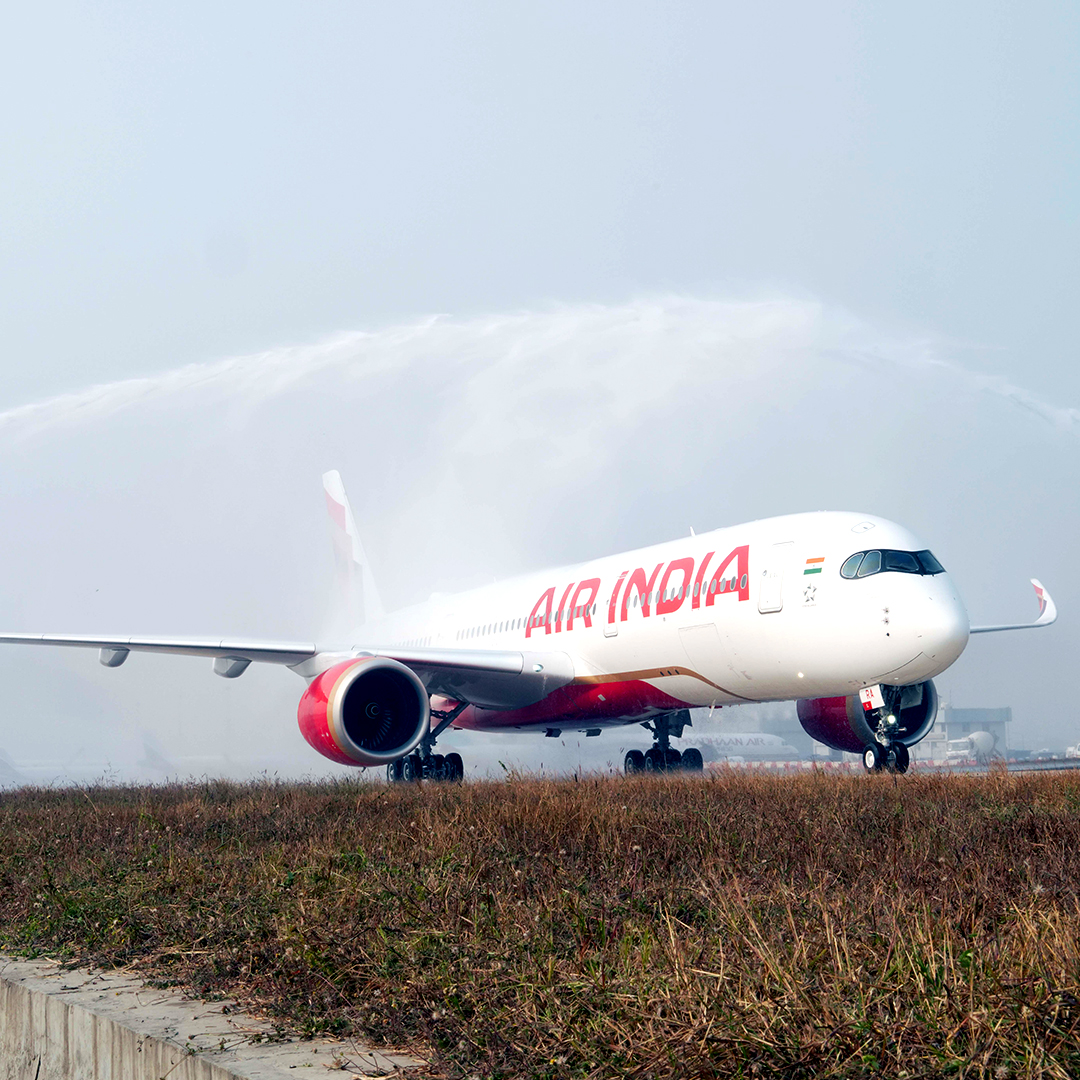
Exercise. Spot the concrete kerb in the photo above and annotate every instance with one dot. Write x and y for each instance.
(58, 1024)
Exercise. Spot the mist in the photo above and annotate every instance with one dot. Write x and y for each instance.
(472, 449)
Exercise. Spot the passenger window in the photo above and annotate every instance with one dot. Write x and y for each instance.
(851, 565)
(871, 564)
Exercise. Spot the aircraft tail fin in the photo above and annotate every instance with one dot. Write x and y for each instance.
(154, 756)
(356, 593)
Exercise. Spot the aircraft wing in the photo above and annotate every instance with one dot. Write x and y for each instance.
(114, 650)
(1047, 614)
(498, 679)
(486, 677)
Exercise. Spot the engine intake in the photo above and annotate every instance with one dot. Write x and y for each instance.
(840, 722)
(368, 711)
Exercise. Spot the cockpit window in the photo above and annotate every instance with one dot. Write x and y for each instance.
(929, 564)
(864, 563)
(851, 564)
(903, 561)
(871, 564)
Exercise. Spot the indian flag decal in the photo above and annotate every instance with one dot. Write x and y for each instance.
(813, 566)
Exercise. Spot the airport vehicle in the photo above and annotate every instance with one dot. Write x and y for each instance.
(848, 614)
(979, 746)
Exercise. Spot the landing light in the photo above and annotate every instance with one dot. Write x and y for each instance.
(800, 674)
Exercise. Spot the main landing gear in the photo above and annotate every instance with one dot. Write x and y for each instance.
(662, 756)
(887, 751)
(425, 764)
(432, 767)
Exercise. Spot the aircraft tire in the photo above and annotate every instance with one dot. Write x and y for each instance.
(903, 758)
(394, 771)
(414, 768)
(654, 760)
(634, 762)
(873, 757)
(674, 759)
(692, 760)
(454, 768)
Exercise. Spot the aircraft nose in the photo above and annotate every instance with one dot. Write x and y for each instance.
(945, 627)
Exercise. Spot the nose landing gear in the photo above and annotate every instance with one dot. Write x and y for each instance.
(662, 756)
(887, 751)
(894, 757)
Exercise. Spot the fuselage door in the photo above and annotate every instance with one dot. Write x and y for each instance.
(771, 589)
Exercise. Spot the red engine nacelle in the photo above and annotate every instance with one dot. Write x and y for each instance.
(368, 711)
(841, 723)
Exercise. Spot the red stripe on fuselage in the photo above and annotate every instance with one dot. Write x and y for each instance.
(578, 703)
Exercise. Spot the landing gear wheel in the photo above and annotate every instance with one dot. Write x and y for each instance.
(394, 772)
(454, 768)
(692, 760)
(655, 759)
(414, 768)
(438, 767)
(634, 762)
(873, 757)
(673, 759)
(902, 758)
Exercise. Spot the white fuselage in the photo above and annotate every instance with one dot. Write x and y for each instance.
(755, 612)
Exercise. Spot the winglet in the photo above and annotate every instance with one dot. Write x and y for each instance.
(356, 584)
(1047, 613)
(1047, 607)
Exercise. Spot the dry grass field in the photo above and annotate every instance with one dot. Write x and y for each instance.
(739, 925)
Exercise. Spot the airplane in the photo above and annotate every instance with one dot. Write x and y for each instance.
(742, 746)
(848, 614)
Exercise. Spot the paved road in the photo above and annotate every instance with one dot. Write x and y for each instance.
(1040, 765)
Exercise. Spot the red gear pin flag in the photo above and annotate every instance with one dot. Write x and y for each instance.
(871, 698)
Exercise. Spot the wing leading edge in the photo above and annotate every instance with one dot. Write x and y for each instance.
(492, 678)
(114, 650)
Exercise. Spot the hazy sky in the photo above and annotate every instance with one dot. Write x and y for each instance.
(182, 183)
(695, 263)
